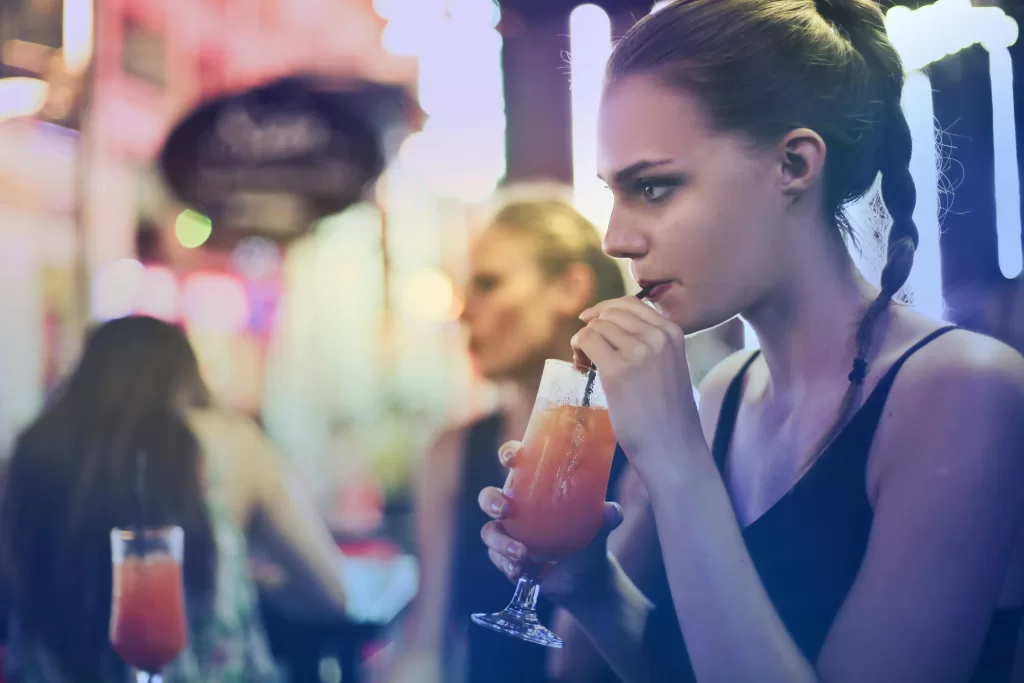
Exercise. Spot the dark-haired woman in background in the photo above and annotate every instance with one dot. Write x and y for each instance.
(71, 479)
(845, 504)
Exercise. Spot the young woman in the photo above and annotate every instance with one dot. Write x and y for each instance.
(845, 505)
(72, 478)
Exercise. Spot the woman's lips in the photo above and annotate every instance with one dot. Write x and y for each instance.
(656, 289)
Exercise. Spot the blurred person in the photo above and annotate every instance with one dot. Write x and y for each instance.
(137, 387)
(533, 269)
(844, 505)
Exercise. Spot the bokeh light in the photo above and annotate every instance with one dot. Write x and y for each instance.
(215, 303)
(115, 289)
(192, 229)
(428, 295)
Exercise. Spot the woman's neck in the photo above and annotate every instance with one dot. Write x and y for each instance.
(807, 326)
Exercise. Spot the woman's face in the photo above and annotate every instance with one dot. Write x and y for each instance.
(699, 211)
(511, 312)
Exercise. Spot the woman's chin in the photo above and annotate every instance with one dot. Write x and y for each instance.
(673, 312)
(689, 320)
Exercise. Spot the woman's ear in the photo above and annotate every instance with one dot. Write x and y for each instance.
(801, 160)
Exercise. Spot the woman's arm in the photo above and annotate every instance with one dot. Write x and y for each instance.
(615, 621)
(635, 545)
(286, 526)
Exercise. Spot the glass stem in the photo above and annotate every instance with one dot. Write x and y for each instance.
(527, 592)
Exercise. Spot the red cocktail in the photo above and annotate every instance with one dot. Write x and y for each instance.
(147, 616)
(557, 487)
(560, 479)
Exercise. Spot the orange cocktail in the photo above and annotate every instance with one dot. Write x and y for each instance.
(557, 487)
(560, 477)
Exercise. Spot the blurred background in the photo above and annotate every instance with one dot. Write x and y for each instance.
(320, 282)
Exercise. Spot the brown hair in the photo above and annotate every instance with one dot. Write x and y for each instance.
(763, 68)
(563, 237)
(71, 479)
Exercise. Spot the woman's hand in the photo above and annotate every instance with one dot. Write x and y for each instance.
(568, 582)
(641, 359)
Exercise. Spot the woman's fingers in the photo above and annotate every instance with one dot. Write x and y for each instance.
(494, 503)
(506, 566)
(612, 517)
(495, 538)
(508, 452)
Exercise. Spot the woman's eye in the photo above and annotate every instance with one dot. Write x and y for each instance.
(485, 283)
(654, 191)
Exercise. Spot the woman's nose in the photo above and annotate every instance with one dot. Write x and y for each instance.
(623, 240)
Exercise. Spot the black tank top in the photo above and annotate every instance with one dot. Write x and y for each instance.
(809, 546)
(477, 586)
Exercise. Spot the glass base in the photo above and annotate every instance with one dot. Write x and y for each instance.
(522, 625)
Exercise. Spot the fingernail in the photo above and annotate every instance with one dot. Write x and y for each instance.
(497, 508)
(511, 567)
(515, 550)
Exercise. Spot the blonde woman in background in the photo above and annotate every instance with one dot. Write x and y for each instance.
(533, 269)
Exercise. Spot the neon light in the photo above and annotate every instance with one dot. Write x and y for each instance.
(928, 34)
(926, 277)
(78, 34)
(951, 26)
(590, 34)
(1004, 138)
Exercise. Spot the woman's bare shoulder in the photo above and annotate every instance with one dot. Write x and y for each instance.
(957, 360)
(962, 388)
(224, 433)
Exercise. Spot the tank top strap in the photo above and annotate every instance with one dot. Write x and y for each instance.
(867, 418)
(728, 412)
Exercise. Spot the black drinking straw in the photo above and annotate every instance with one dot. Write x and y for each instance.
(592, 375)
(140, 485)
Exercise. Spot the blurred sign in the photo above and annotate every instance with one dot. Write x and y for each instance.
(270, 160)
